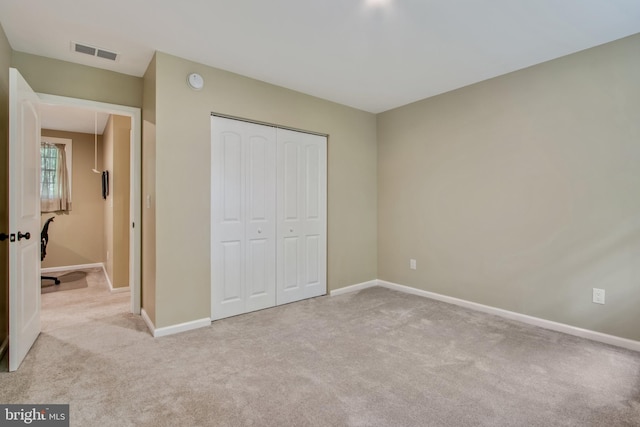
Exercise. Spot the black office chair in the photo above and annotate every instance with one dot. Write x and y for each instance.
(44, 239)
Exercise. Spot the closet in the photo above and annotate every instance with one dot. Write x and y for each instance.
(268, 216)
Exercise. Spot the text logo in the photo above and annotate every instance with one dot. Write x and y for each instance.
(34, 415)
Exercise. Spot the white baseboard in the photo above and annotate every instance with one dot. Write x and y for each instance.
(71, 267)
(353, 288)
(173, 329)
(3, 347)
(111, 288)
(530, 320)
(106, 276)
(148, 321)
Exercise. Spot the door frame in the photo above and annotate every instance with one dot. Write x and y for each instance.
(135, 193)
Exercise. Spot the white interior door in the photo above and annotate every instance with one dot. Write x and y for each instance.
(302, 216)
(243, 211)
(24, 218)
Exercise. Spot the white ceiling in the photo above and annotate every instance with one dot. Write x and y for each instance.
(72, 119)
(369, 54)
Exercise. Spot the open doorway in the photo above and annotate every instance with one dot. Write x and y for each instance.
(102, 228)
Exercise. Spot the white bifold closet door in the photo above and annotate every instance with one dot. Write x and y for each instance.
(268, 210)
(302, 220)
(243, 211)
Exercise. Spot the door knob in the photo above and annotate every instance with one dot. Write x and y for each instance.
(26, 235)
(3, 237)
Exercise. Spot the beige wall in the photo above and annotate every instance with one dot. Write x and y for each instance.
(55, 77)
(120, 191)
(5, 61)
(116, 145)
(522, 192)
(149, 190)
(182, 179)
(77, 237)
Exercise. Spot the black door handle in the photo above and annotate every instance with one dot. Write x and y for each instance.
(26, 235)
(3, 237)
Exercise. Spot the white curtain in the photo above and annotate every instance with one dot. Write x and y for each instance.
(55, 195)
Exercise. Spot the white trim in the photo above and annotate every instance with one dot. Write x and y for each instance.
(148, 321)
(530, 320)
(173, 329)
(108, 279)
(182, 327)
(136, 179)
(3, 347)
(354, 288)
(71, 267)
(111, 288)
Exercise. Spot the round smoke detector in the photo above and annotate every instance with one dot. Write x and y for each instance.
(195, 81)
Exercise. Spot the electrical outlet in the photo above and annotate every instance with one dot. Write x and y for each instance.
(412, 264)
(598, 296)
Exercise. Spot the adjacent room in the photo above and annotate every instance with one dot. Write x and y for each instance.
(84, 208)
(85, 196)
(362, 213)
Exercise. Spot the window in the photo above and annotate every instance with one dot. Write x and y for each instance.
(55, 174)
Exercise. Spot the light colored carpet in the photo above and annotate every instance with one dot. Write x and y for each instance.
(372, 358)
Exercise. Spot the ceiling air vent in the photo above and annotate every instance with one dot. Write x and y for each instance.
(106, 54)
(93, 51)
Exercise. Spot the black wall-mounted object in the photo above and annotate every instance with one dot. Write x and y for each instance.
(105, 184)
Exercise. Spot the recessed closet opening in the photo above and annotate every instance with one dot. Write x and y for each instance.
(268, 216)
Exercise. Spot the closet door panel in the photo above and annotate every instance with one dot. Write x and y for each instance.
(291, 179)
(232, 182)
(312, 259)
(289, 208)
(257, 270)
(243, 214)
(261, 217)
(231, 271)
(258, 166)
(227, 221)
(312, 183)
(301, 189)
(314, 282)
(289, 274)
